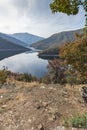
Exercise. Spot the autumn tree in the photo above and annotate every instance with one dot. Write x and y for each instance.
(71, 67)
(74, 55)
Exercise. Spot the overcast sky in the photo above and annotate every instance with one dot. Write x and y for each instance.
(34, 16)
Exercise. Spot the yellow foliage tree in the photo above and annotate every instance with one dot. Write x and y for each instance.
(75, 55)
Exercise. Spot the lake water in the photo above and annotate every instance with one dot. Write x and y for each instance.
(26, 63)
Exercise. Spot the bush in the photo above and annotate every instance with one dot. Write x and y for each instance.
(74, 55)
(3, 76)
(26, 77)
(77, 121)
(46, 79)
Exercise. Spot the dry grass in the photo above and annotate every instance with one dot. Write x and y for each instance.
(28, 101)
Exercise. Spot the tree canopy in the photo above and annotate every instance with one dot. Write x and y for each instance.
(74, 54)
(70, 7)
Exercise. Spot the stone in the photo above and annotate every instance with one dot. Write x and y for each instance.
(1, 96)
(52, 110)
(52, 118)
(42, 87)
(4, 106)
(60, 128)
(84, 93)
(44, 104)
(40, 127)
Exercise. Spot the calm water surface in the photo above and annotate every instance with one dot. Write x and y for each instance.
(26, 63)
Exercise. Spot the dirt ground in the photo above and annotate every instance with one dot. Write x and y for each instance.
(34, 106)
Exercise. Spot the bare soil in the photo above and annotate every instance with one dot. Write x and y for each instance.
(34, 106)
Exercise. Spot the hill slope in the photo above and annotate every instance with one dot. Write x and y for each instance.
(9, 47)
(27, 38)
(56, 39)
(12, 40)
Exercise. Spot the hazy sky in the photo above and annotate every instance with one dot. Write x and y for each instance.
(34, 16)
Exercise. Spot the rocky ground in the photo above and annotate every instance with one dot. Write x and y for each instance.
(34, 106)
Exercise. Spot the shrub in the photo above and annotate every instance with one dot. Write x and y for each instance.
(46, 79)
(26, 77)
(75, 54)
(3, 76)
(77, 121)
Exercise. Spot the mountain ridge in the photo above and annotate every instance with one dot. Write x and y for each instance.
(56, 39)
(10, 46)
(11, 39)
(27, 38)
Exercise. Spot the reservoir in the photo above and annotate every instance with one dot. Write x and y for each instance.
(26, 62)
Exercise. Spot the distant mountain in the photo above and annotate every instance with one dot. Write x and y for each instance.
(10, 46)
(56, 40)
(11, 39)
(27, 38)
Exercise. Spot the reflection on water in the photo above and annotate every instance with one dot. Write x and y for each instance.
(26, 63)
(9, 52)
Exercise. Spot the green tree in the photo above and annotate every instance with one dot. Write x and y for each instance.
(70, 7)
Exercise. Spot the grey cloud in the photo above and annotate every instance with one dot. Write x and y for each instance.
(21, 5)
(35, 8)
(35, 16)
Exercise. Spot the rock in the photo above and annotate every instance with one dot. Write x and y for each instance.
(60, 128)
(29, 120)
(41, 105)
(1, 96)
(52, 118)
(52, 110)
(4, 106)
(40, 127)
(38, 106)
(84, 93)
(44, 104)
(53, 114)
(42, 87)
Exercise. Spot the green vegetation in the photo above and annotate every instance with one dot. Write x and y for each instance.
(77, 121)
(5, 73)
(26, 77)
(70, 7)
(3, 76)
(50, 51)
